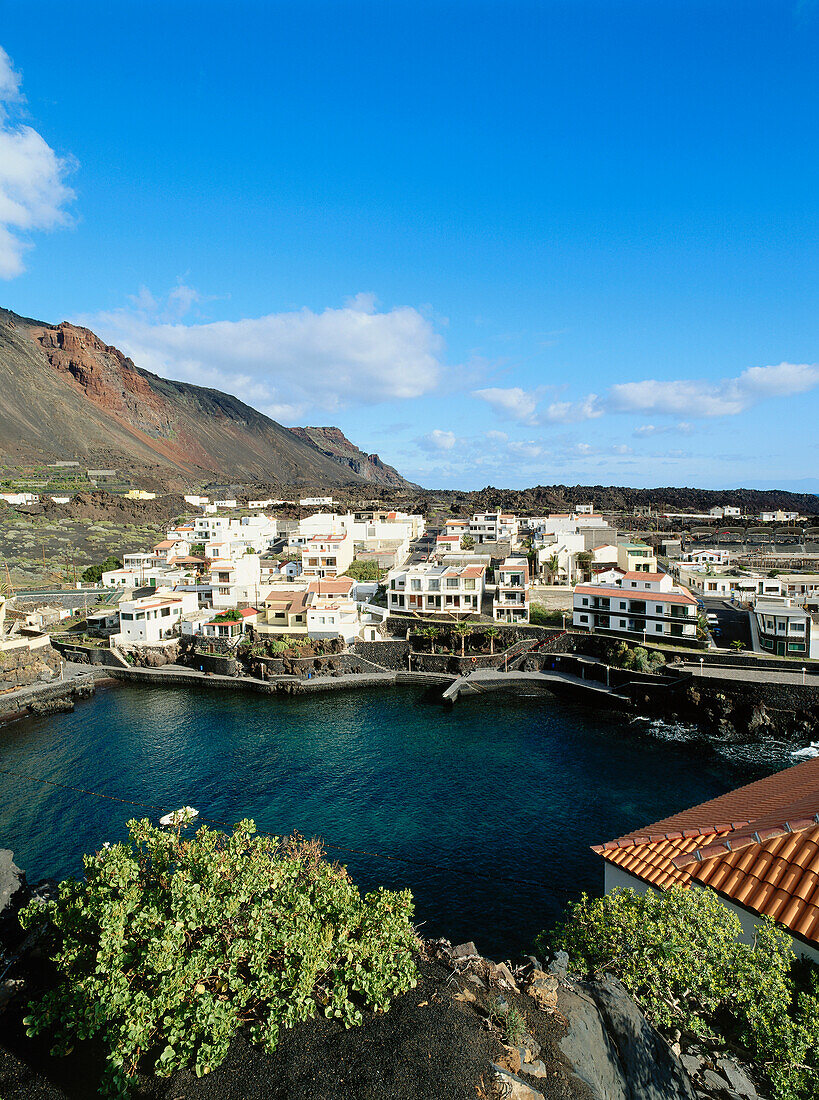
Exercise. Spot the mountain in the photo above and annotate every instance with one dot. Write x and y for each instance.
(334, 444)
(65, 395)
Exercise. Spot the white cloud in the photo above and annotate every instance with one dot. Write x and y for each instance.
(689, 397)
(682, 427)
(514, 403)
(438, 440)
(705, 399)
(33, 191)
(495, 436)
(572, 412)
(284, 363)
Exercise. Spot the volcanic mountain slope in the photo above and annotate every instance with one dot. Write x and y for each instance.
(333, 443)
(65, 395)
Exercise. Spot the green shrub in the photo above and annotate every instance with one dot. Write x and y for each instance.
(170, 945)
(93, 574)
(679, 953)
(365, 570)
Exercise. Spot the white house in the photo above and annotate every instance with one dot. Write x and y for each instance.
(235, 580)
(493, 527)
(557, 557)
(704, 556)
(431, 589)
(155, 618)
(316, 502)
(636, 557)
(511, 600)
(20, 498)
(647, 604)
(230, 624)
(327, 555)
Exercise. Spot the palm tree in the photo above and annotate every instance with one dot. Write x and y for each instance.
(491, 633)
(737, 644)
(552, 566)
(462, 629)
(432, 633)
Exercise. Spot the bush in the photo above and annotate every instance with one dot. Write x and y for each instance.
(93, 574)
(678, 953)
(170, 945)
(364, 571)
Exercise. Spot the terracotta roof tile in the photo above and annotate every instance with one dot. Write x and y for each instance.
(757, 846)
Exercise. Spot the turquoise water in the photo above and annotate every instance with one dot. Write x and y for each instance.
(504, 794)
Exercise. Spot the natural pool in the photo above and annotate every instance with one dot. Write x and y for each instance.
(504, 794)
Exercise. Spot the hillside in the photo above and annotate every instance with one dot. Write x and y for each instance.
(334, 444)
(65, 395)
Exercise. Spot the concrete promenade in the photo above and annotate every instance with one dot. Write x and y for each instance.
(752, 675)
(487, 679)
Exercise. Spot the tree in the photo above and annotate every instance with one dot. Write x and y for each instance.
(462, 629)
(737, 644)
(364, 571)
(552, 566)
(491, 633)
(467, 542)
(93, 574)
(679, 953)
(169, 946)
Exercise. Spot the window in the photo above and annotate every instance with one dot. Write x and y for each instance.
(796, 647)
(622, 605)
(126, 616)
(585, 601)
(415, 585)
(166, 611)
(658, 607)
(469, 585)
(583, 618)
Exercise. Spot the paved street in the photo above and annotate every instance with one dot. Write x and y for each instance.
(752, 675)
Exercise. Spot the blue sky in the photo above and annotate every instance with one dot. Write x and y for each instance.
(508, 243)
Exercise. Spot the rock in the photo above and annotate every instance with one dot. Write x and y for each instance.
(12, 885)
(479, 982)
(464, 951)
(559, 966)
(512, 1087)
(466, 996)
(714, 1082)
(692, 1063)
(542, 988)
(652, 1071)
(535, 1069)
(739, 1080)
(588, 1048)
(529, 1048)
(503, 972)
(511, 1060)
(536, 965)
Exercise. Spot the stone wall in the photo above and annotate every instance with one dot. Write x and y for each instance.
(23, 665)
(87, 655)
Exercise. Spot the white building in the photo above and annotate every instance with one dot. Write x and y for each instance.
(436, 589)
(327, 555)
(20, 498)
(511, 601)
(646, 604)
(155, 618)
(235, 580)
(779, 516)
(705, 557)
(724, 511)
(316, 502)
(557, 558)
(636, 557)
(494, 527)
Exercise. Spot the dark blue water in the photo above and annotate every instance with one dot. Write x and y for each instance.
(502, 788)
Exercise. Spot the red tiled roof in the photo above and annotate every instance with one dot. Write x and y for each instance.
(757, 846)
(634, 575)
(634, 593)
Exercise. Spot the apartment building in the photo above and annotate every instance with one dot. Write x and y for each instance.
(511, 600)
(436, 589)
(493, 527)
(637, 604)
(327, 555)
(705, 556)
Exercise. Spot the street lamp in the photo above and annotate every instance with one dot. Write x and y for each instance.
(803, 675)
(702, 659)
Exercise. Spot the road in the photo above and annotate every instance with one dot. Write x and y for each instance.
(733, 623)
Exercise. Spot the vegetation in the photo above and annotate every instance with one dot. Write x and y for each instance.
(467, 542)
(636, 658)
(93, 574)
(679, 953)
(365, 571)
(507, 1018)
(542, 616)
(171, 945)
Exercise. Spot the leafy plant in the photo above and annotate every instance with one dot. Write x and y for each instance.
(680, 954)
(93, 574)
(171, 945)
(467, 542)
(364, 571)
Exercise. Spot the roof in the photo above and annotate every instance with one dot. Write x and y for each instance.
(341, 586)
(632, 593)
(244, 613)
(166, 544)
(757, 846)
(340, 537)
(634, 575)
